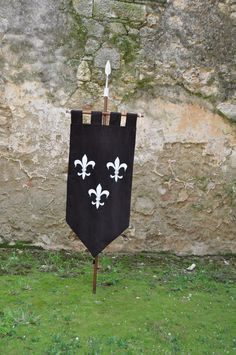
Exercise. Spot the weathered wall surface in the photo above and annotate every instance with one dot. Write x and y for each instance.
(175, 61)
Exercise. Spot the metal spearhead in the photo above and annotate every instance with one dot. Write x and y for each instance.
(107, 72)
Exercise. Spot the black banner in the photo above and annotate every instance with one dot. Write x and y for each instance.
(100, 178)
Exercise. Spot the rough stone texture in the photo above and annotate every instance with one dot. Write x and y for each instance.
(233, 159)
(117, 27)
(114, 9)
(84, 7)
(83, 72)
(92, 45)
(105, 54)
(228, 110)
(172, 60)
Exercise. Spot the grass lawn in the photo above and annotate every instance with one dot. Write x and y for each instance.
(145, 304)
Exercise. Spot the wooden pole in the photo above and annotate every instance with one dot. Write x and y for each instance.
(104, 122)
(105, 117)
(95, 270)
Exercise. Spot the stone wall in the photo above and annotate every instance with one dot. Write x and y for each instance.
(175, 61)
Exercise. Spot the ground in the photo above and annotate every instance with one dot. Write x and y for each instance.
(145, 304)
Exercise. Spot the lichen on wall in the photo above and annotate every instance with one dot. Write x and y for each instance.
(173, 60)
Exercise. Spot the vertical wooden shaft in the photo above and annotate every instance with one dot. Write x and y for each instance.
(95, 270)
(95, 262)
(105, 108)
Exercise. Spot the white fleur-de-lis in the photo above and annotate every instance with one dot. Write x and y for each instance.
(116, 166)
(98, 193)
(84, 164)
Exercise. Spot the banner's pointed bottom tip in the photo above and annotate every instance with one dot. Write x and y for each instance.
(96, 250)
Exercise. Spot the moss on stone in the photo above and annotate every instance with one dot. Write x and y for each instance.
(127, 45)
(211, 98)
(79, 31)
(230, 193)
(198, 207)
(121, 10)
(145, 83)
(2, 62)
(18, 47)
(77, 35)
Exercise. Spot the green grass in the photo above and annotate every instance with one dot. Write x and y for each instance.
(145, 304)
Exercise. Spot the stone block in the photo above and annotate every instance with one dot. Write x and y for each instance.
(83, 7)
(233, 18)
(4, 25)
(180, 4)
(104, 54)
(228, 110)
(91, 46)
(114, 9)
(83, 72)
(233, 159)
(94, 28)
(117, 27)
(145, 205)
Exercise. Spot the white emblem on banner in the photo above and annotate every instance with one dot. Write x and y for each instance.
(84, 163)
(98, 193)
(116, 166)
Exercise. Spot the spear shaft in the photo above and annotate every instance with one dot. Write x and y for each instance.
(104, 122)
(95, 271)
(106, 92)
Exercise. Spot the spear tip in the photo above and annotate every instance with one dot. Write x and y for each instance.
(108, 68)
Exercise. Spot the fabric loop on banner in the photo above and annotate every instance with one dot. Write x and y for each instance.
(131, 120)
(76, 117)
(96, 118)
(115, 118)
